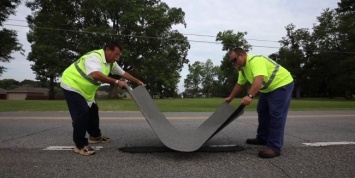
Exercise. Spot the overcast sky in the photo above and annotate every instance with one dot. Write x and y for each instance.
(261, 19)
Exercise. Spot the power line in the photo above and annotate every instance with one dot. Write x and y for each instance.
(211, 36)
(138, 36)
(150, 37)
(189, 34)
(16, 20)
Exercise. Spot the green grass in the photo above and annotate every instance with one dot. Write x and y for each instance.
(173, 105)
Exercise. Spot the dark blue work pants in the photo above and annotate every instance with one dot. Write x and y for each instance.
(84, 118)
(272, 113)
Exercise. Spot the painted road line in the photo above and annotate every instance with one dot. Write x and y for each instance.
(329, 143)
(67, 148)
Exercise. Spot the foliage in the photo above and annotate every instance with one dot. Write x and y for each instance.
(152, 51)
(346, 29)
(7, 7)
(209, 76)
(322, 63)
(229, 41)
(50, 38)
(31, 83)
(8, 42)
(295, 55)
(9, 84)
(194, 78)
(202, 79)
(335, 61)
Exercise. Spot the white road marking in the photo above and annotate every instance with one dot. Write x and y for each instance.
(329, 143)
(67, 148)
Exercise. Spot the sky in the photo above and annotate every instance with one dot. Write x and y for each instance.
(263, 20)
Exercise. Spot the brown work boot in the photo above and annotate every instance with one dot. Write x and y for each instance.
(255, 141)
(268, 153)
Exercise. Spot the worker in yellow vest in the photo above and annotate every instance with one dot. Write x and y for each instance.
(274, 85)
(80, 81)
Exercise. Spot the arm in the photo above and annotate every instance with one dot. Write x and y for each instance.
(93, 69)
(236, 90)
(129, 77)
(254, 89)
(98, 76)
(117, 70)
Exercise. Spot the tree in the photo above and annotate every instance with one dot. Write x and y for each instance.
(229, 41)
(152, 51)
(209, 76)
(218, 90)
(144, 29)
(335, 39)
(296, 55)
(8, 42)
(346, 12)
(202, 78)
(327, 43)
(194, 78)
(51, 38)
(9, 84)
(31, 83)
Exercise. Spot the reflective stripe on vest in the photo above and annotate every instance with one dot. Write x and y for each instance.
(81, 72)
(273, 75)
(75, 75)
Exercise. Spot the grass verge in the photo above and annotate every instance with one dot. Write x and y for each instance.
(172, 105)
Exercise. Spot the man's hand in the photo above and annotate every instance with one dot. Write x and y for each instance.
(246, 100)
(140, 83)
(228, 99)
(121, 84)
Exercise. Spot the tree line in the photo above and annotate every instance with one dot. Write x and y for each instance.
(9, 84)
(321, 61)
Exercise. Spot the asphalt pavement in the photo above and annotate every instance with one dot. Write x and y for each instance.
(38, 144)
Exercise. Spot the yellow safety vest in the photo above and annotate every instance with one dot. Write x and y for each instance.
(75, 75)
(275, 75)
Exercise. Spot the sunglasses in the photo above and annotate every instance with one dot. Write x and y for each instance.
(234, 60)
